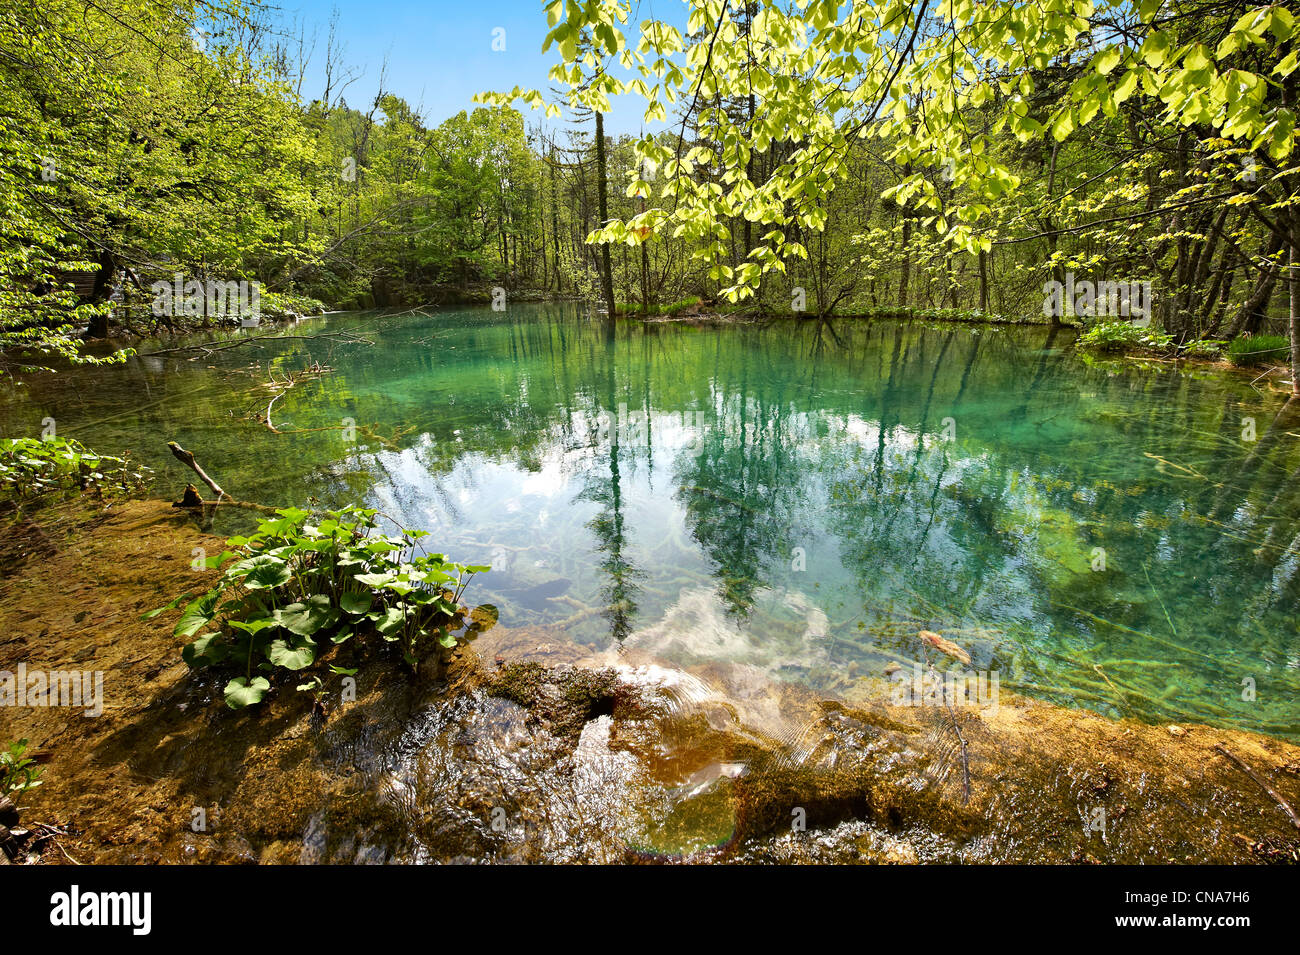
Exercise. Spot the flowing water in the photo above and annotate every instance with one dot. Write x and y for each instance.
(803, 497)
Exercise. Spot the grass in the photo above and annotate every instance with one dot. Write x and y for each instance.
(1259, 350)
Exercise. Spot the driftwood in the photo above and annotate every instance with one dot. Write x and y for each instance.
(1277, 797)
(190, 500)
(187, 458)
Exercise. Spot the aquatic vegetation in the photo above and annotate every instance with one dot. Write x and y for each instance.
(1258, 350)
(293, 588)
(34, 466)
(18, 773)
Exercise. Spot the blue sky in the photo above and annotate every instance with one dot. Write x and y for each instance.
(440, 52)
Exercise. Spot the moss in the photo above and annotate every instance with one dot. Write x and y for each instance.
(564, 698)
(518, 682)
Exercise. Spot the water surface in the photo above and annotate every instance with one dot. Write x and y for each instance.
(803, 497)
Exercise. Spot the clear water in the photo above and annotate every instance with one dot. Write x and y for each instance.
(801, 497)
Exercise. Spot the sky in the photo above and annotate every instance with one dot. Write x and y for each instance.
(440, 53)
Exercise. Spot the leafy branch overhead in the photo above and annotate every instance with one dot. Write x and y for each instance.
(939, 84)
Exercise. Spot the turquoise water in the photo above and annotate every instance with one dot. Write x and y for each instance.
(802, 497)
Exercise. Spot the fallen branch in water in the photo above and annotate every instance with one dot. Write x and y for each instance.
(190, 500)
(313, 372)
(209, 348)
(187, 458)
(961, 738)
(1286, 806)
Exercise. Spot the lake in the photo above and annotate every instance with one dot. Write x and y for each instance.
(804, 497)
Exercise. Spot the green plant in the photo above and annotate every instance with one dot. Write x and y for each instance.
(1117, 335)
(1204, 348)
(1259, 350)
(32, 466)
(293, 586)
(921, 313)
(17, 772)
(666, 308)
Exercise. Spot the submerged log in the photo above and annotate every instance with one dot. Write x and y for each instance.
(933, 639)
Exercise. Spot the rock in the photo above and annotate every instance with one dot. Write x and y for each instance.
(1177, 731)
(931, 638)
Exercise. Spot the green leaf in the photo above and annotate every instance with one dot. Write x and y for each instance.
(1063, 124)
(256, 625)
(260, 572)
(1197, 58)
(196, 616)
(149, 615)
(240, 692)
(207, 650)
(1107, 60)
(356, 603)
(306, 619)
(292, 655)
(1127, 86)
(390, 621)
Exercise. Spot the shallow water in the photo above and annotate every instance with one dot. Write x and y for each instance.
(801, 497)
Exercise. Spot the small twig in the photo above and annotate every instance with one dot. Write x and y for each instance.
(961, 738)
(46, 831)
(1286, 806)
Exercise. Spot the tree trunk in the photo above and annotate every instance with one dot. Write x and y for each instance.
(984, 282)
(602, 199)
(98, 327)
(1294, 318)
(907, 263)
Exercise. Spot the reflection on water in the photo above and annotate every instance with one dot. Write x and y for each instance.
(802, 497)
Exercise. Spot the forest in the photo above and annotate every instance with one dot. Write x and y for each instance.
(1127, 144)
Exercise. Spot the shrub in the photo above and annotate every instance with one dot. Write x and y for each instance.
(1124, 336)
(31, 466)
(1259, 350)
(667, 308)
(277, 304)
(292, 587)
